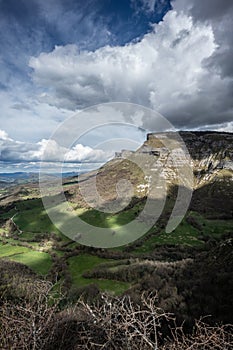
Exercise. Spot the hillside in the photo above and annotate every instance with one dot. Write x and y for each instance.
(211, 162)
(162, 262)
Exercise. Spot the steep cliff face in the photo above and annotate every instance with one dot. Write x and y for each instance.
(211, 160)
(211, 154)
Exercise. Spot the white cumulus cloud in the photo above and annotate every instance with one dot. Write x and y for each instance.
(3, 136)
(166, 71)
(48, 151)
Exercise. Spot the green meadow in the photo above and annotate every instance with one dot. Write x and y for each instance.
(83, 263)
(39, 262)
(31, 217)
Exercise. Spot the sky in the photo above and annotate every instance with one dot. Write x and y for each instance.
(59, 57)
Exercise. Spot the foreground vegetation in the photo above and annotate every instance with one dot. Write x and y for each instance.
(35, 316)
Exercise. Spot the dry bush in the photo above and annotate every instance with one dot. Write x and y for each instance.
(118, 323)
(24, 325)
(110, 323)
(204, 337)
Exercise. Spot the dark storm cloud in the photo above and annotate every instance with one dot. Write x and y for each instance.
(219, 13)
(212, 103)
(210, 9)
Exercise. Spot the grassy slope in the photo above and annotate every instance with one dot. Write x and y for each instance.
(32, 217)
(39, 262)
(8, 250)
(81, 263)
(186, 234)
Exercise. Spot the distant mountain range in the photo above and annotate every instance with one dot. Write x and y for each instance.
(11, 179)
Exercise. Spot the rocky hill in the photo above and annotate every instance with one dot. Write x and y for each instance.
(202, 161)
(211, 153)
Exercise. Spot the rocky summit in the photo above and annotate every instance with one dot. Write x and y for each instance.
(210, 154)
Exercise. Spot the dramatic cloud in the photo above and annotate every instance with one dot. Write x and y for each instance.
(48, 151)
(210, 9)
(60, 56)
(34, 26)
(218, 14)
(167, 70)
